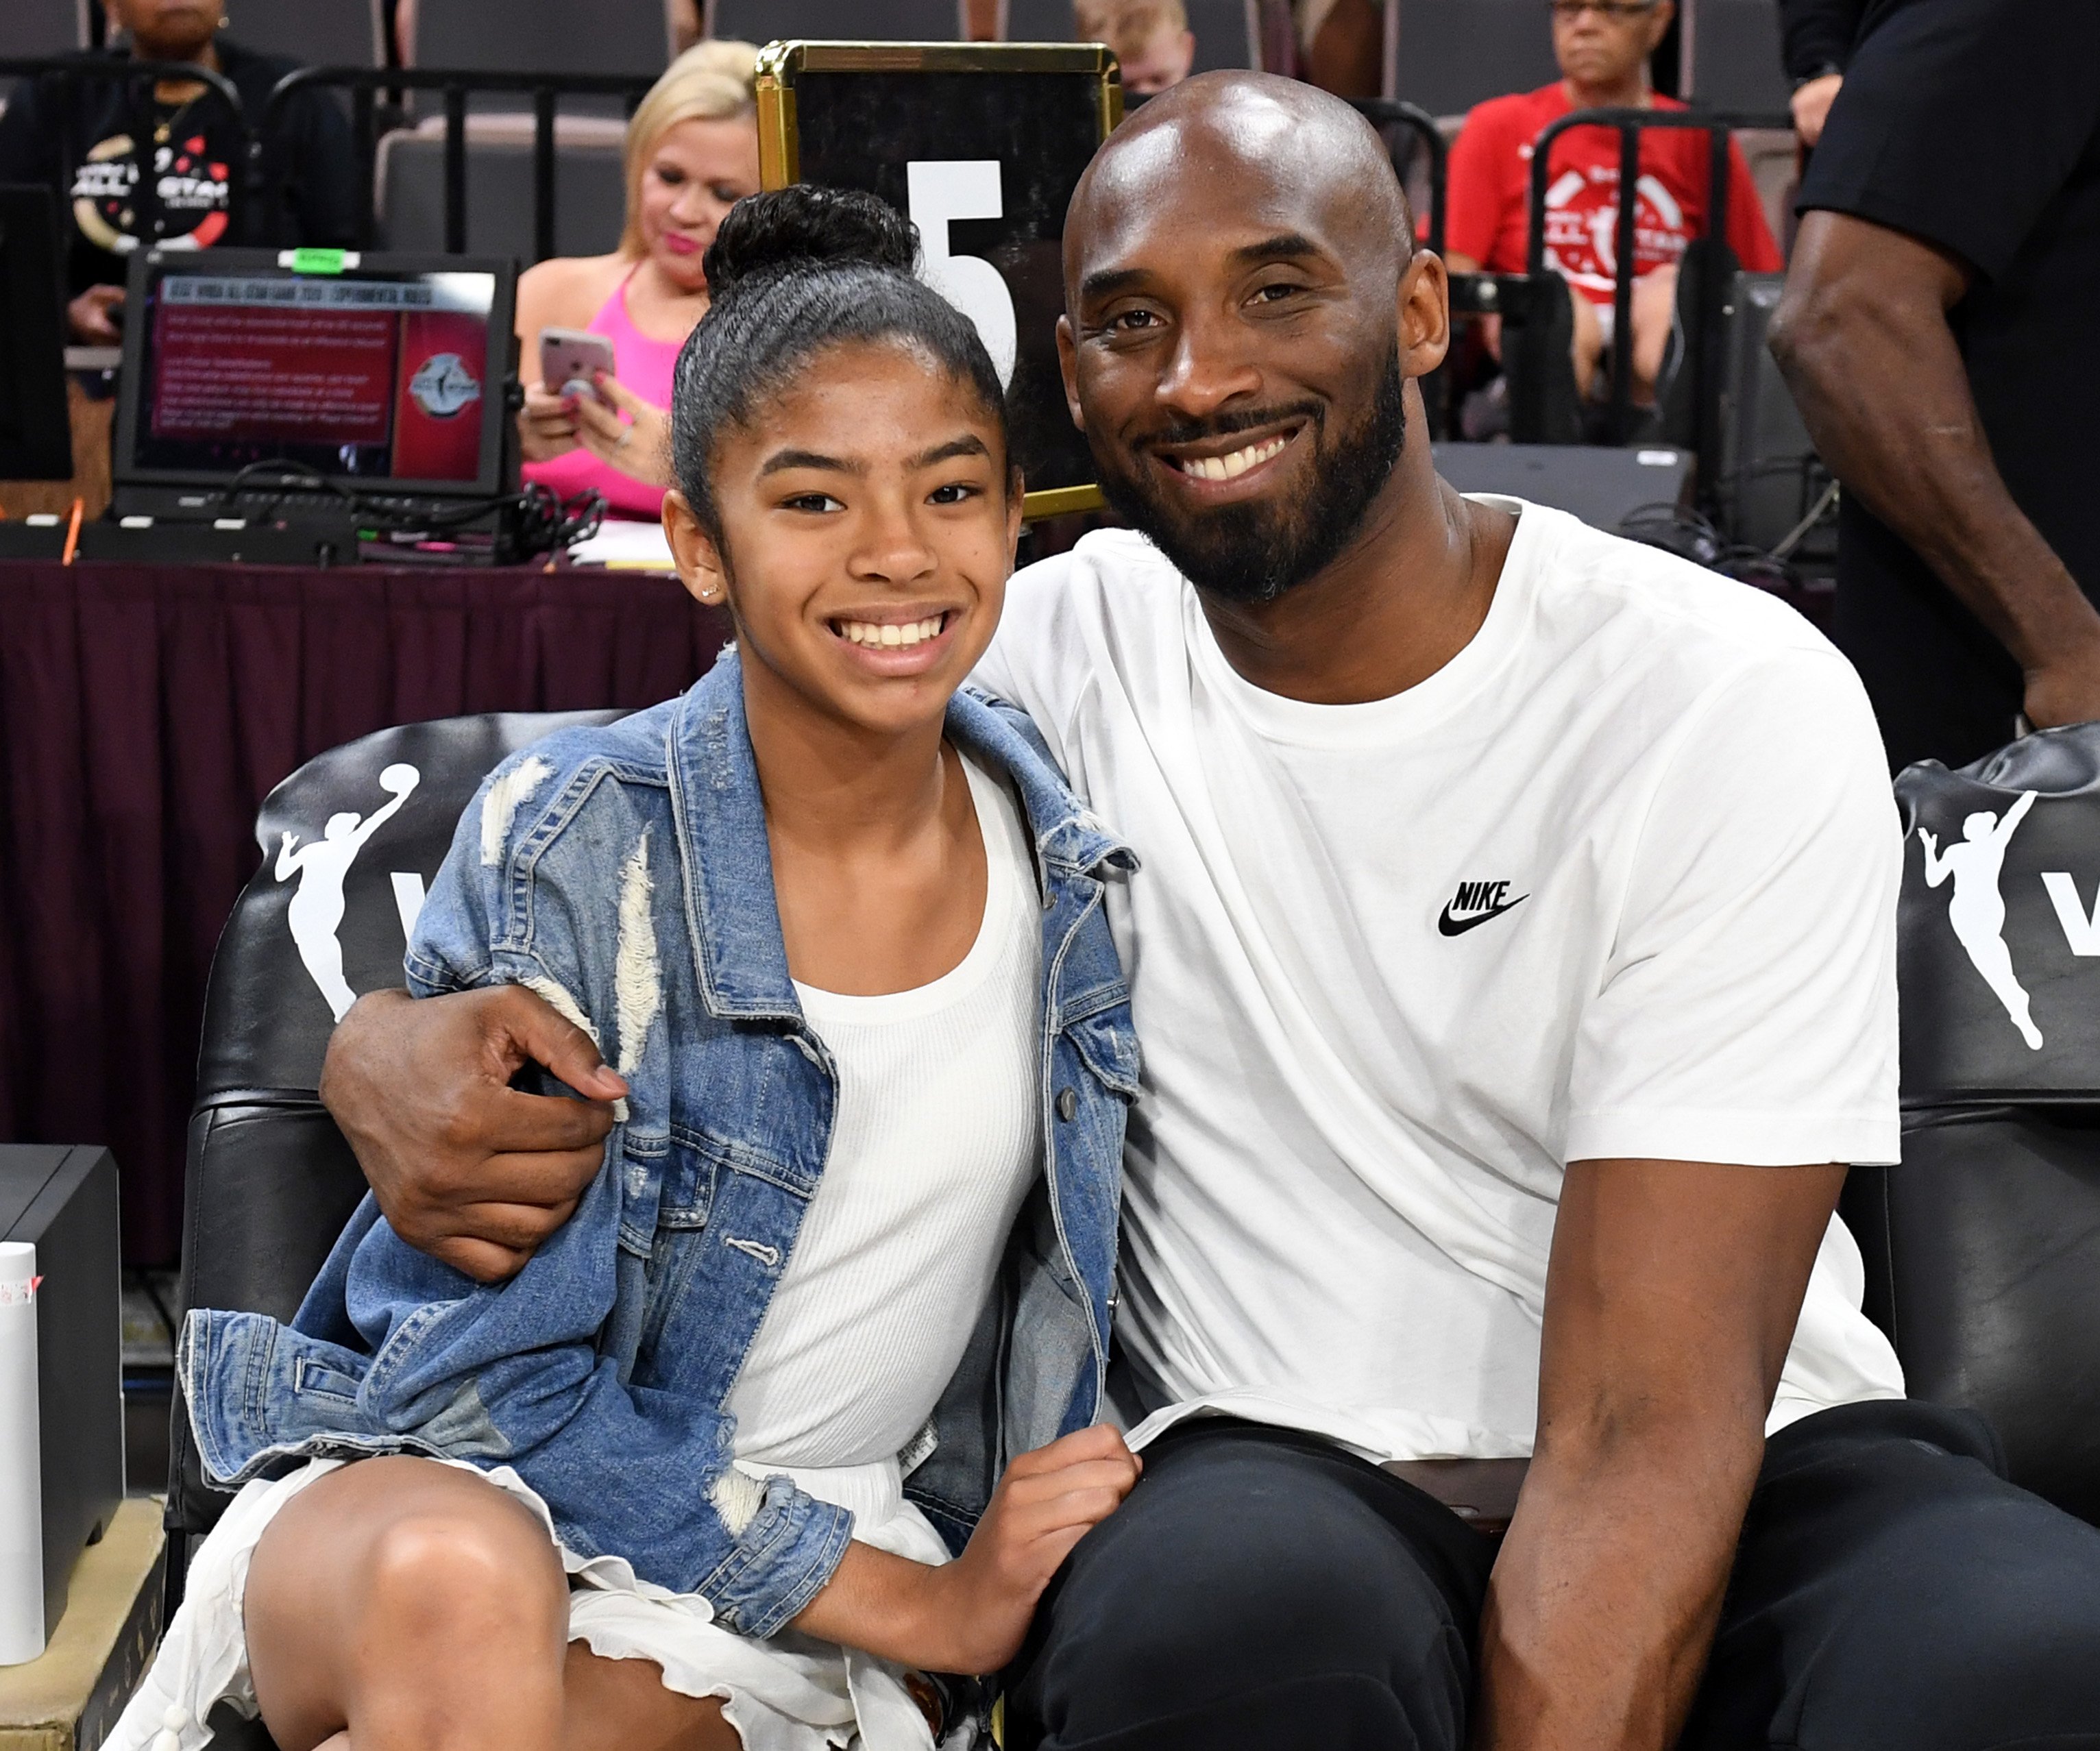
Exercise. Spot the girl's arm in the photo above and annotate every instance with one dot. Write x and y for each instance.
(970, 1615)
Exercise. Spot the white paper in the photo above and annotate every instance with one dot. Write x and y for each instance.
(21, 1482)
(627, 543)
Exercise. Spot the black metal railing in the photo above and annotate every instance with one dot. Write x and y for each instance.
(1383, 112)
(455, 86)
(267, 184)
(1711, 291)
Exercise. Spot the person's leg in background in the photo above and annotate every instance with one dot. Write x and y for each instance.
(1655, 311)
(1259, 1587)
(1894, 1593)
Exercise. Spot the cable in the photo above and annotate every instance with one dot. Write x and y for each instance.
(1794, 536)
(540, 521)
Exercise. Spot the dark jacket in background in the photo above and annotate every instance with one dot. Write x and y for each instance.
(75, 138)
(1819, 34)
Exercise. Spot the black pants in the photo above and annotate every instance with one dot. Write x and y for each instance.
(1260, 1588)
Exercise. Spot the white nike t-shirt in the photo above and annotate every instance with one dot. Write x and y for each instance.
(1618, 880)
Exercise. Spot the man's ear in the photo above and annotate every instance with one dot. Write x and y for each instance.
(1068, 368)
(701, 567)
(1425, 314)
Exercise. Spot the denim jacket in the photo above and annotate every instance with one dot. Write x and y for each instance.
(624, 873)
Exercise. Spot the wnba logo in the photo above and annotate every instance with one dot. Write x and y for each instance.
(442, 386)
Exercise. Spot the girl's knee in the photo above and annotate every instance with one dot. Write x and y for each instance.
(471, 1557)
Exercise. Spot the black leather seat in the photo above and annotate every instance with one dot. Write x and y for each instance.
(270, 1179)
(1984, 1247)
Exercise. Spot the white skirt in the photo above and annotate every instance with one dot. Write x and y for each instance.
(787, 1692)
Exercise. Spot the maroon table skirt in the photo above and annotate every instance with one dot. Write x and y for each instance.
(144, 713)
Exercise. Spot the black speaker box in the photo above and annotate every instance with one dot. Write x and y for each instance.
(63, 1200)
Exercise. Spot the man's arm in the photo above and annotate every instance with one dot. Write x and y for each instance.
(465, 1167)
(1863, 339)
(1671, 1297)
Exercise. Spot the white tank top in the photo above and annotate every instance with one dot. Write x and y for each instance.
(937, 1139)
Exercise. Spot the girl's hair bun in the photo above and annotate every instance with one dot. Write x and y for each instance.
(817, 228)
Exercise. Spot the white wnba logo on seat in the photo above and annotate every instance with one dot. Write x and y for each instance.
(321, 865)
(1976, 910)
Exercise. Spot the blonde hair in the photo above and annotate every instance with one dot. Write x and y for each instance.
(1127, 26)
(711, 81)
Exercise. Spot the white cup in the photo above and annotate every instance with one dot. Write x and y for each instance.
(22, 1627)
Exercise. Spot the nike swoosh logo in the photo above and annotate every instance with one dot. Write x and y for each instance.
(1458, 926)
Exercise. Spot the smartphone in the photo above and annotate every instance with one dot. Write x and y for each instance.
(568, 358)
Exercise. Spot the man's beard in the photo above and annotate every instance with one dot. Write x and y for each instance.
(1255, 550)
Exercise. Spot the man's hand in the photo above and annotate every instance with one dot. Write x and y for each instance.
(2064, 686)
(969, 1615)
(1863, 338)
(1671, 1297)
(465, 1167)
(89, 318)
(1811, 104)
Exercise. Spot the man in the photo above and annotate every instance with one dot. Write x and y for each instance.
(1938, 333)
(198, 155)
(1514, 958)
(1602, 47)
(1151, 38)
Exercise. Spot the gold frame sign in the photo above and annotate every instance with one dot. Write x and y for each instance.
(981, 145)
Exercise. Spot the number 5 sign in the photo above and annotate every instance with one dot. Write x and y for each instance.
(937, 193)
(981, 145)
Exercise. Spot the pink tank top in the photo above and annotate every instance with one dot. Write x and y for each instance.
(642, 365)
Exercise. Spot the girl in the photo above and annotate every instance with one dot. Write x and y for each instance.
(694, 1477)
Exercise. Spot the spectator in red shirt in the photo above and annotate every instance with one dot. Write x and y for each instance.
(1602, 47)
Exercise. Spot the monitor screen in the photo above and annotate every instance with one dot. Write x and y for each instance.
(372, 377)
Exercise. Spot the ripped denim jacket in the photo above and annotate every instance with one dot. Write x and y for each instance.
(622, 871)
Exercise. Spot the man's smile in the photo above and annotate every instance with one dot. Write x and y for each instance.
(1233, 466)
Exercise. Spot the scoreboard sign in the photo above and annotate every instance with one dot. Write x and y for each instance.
(981, 144)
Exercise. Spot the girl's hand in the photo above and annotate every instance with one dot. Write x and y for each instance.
(969, 1615)
(546, 425)
(981, 1604)
(639, 446)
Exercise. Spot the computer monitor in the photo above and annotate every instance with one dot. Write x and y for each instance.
(385, 374)
(36, 439)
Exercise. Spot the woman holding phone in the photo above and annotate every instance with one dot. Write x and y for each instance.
(692, 154)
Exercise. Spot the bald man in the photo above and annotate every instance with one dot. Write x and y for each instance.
(1514, 957)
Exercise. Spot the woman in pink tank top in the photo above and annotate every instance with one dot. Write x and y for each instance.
(692, 153)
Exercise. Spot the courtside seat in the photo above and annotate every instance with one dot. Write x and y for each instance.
(630, 36)
(313, 33)
(270, 1179)
(1450, 54)
(763, 21)
(1983, 1248)
(44, 27)
(590, 193)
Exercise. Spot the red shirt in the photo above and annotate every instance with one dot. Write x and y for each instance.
(1490, 187)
